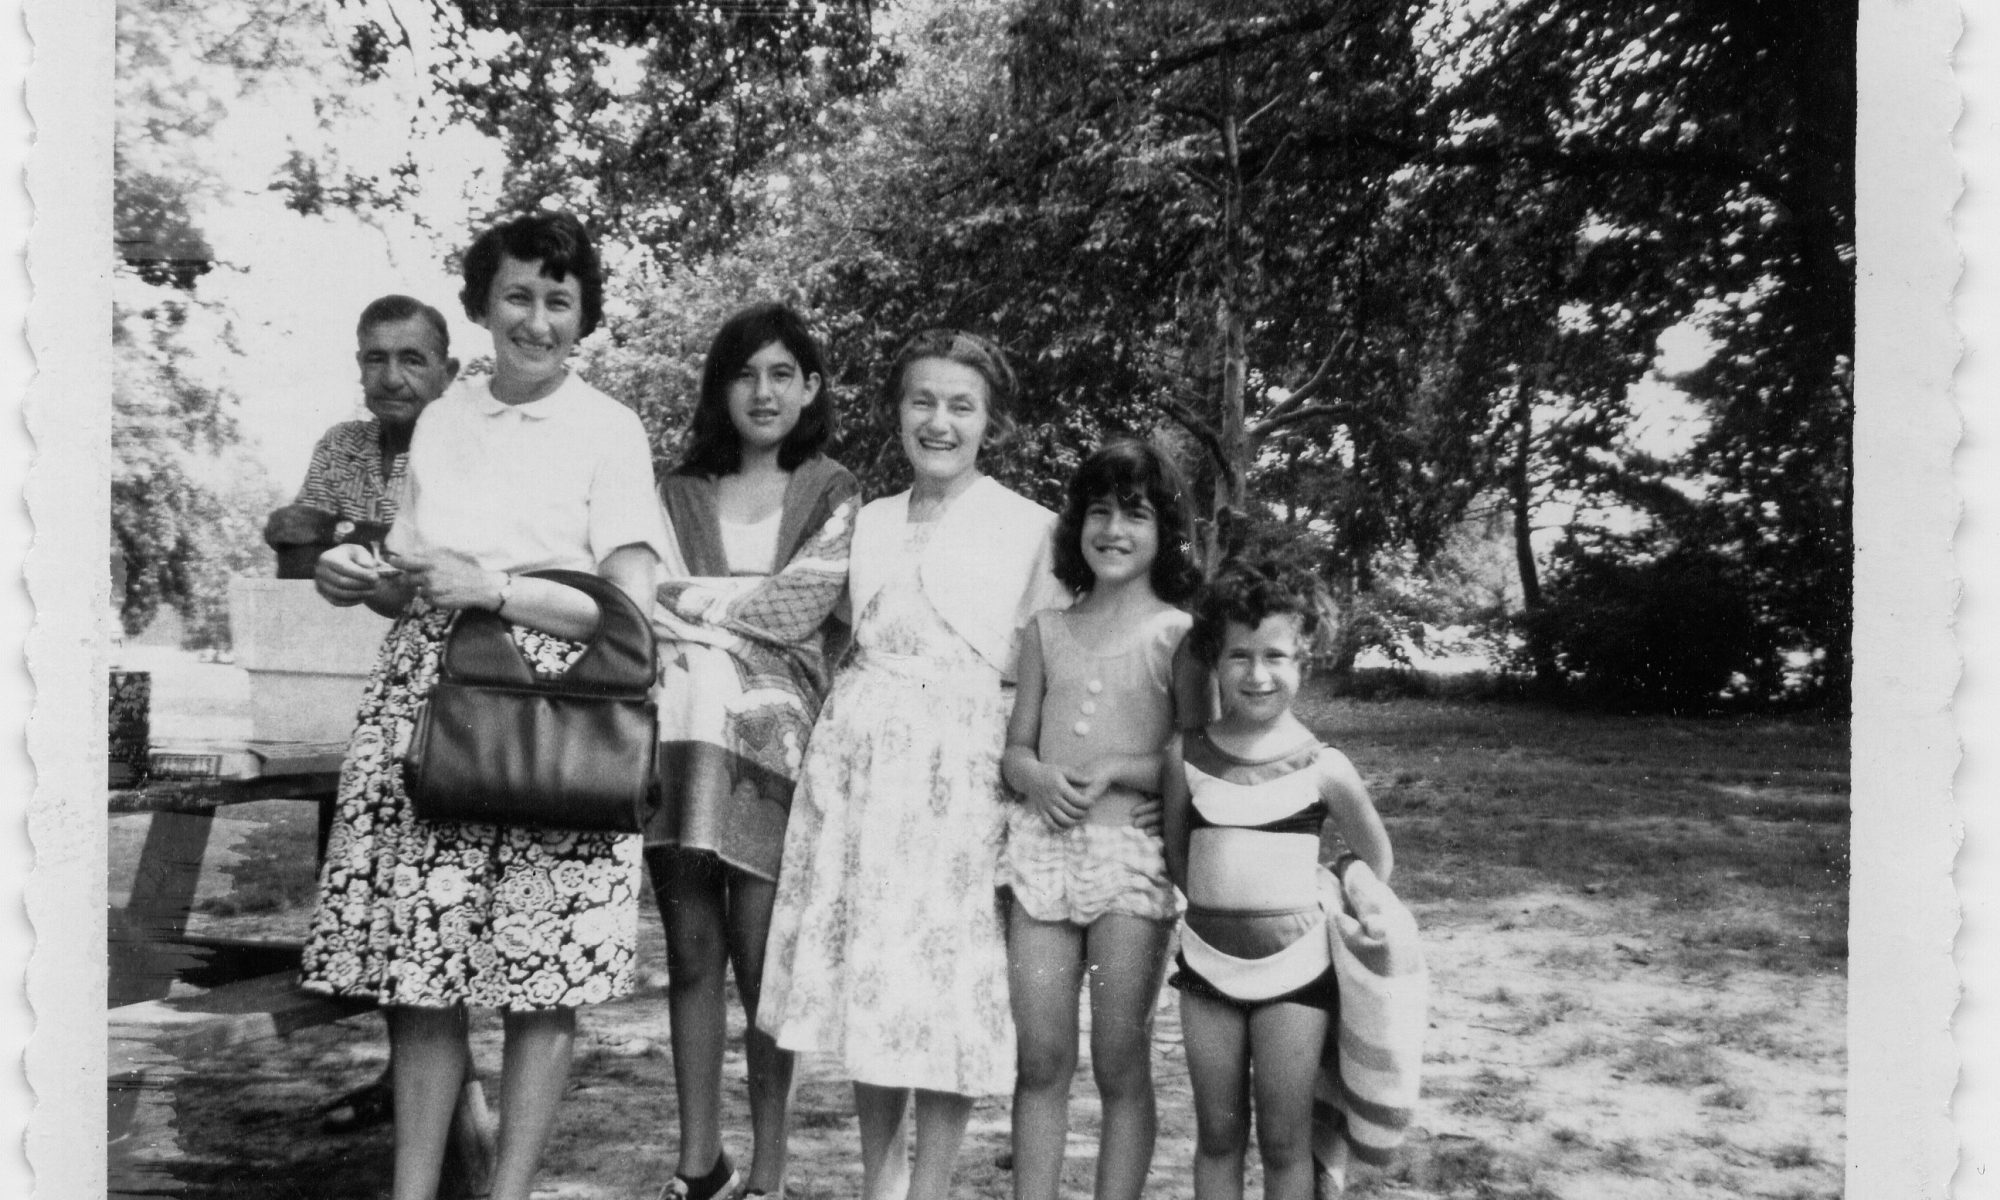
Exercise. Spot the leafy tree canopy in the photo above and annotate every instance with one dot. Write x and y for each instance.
(1375, 267)
(187, 503)
(653, 121)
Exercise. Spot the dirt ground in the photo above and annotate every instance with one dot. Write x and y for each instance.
(1561, 1062)
(1589, 1036)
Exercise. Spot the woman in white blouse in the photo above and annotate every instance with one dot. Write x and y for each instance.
(531, 468)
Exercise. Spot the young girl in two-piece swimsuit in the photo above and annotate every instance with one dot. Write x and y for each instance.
(1254, 806)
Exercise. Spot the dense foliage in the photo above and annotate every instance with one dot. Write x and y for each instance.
(187, 501)
(1390, 276)
(652, 121)
(1669, 634)
(1375, 268)
(1407, 256)
(1719, 139)
(187, 504)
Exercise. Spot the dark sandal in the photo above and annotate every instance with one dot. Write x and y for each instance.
(679, 1188)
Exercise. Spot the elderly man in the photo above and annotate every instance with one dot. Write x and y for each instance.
(350, 493)
(357, 468)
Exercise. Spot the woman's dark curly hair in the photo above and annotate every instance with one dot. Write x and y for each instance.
(1129, 471)
(1246, 593)
(556, 240)
(714, 448)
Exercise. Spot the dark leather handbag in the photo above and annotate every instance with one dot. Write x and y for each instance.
(496, 745)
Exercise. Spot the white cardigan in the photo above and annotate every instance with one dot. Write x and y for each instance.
(989, 565)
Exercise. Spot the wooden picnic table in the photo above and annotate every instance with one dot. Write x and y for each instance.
(231, 991)
(148, 939)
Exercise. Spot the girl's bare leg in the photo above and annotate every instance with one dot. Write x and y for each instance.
(941, 1118)
(1044, 970)
(1217, 1037)
(885, 1155)
(750, 901)
(1128, 957)
(428, 1056)
(1285, 1041)
(690, 896)
(534, 1069)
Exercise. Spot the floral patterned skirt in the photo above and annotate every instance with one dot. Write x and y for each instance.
(435, 914)
(887, 947)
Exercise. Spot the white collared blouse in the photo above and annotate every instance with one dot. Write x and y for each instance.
(559, 482)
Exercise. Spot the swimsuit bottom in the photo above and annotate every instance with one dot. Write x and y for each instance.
(1256, 956)
(1322, 993)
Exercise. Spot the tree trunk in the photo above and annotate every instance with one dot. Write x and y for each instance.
(1231, 491)
(1520, 487)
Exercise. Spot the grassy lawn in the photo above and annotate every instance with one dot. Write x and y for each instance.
(1731, 834)
(1636, 936)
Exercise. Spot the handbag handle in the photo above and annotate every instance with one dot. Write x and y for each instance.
(619, 658)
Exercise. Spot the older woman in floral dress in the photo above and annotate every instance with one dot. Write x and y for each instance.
(887, 945)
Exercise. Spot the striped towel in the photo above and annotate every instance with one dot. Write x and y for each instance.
(1368, 1079)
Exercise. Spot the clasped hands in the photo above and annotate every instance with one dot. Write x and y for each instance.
(353, 574)
(1065, 798)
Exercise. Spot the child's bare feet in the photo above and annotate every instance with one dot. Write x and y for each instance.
(1330, 1172)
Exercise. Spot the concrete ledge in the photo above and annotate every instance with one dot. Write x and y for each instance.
(308, 661)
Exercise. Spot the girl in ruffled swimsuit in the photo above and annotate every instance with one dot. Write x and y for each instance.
(1084, 864)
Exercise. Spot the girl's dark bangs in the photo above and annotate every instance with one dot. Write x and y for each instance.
(1126, 478)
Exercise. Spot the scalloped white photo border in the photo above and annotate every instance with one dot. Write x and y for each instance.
(1908, 945)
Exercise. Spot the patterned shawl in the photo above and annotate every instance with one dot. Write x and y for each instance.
(743, 665)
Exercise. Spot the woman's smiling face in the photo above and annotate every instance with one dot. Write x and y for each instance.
(943, 415)
(534, 321)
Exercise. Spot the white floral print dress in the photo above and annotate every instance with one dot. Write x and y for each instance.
(435, 914)
(887, 948)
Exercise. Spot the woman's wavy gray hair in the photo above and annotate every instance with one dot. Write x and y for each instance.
(970, 350)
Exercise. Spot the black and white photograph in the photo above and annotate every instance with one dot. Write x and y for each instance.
(755, 599)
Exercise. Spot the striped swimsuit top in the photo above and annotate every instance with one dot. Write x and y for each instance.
(1253, 926)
